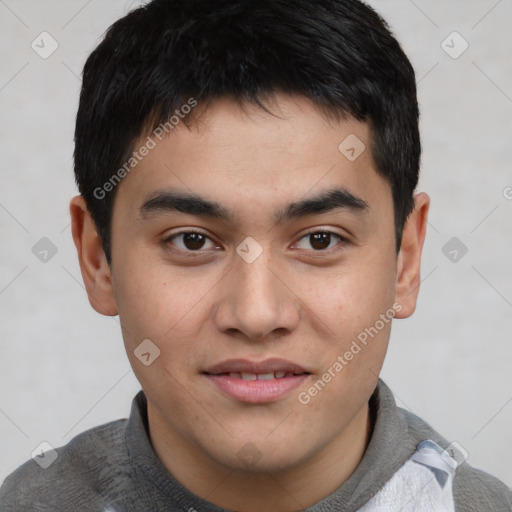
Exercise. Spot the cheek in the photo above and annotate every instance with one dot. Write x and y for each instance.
(358, 342)
(158, 302)
(169, 310)
(353, 309)
(354, 294)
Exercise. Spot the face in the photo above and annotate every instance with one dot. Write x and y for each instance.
(267, 296)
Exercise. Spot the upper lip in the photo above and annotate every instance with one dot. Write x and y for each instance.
(246, 366)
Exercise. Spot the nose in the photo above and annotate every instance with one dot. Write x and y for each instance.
(256, 301)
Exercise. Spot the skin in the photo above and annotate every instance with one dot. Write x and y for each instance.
(294, 301)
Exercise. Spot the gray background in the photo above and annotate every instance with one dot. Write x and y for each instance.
(63, 368)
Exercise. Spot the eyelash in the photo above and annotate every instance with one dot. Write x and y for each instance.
(342, 241)
(169, 239)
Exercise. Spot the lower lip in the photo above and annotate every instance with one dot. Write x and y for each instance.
(256, 391)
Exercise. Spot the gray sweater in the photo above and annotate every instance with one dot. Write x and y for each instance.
(113, 468)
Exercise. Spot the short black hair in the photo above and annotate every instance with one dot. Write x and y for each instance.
(338, 53)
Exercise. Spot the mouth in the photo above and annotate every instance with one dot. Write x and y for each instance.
(258, 376)
(256, 382)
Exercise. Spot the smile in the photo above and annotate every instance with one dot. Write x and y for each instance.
(262, 376)
(256, 382)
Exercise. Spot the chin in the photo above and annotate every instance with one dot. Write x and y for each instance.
(260, 456)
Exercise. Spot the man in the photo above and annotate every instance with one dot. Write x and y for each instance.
(247, 175)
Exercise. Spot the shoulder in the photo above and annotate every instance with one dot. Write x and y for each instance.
(476, 490)
(84, 471)
(473, 489)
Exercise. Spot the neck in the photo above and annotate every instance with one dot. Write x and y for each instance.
(287, 491)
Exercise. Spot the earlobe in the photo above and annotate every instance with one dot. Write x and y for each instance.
(91, 256)
(409, 258)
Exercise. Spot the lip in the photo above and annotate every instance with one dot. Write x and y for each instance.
(256, 391)
(247, 366)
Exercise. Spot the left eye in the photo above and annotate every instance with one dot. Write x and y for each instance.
(191, 241)
(320, 240)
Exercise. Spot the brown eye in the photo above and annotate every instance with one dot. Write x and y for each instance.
(319, 241)
(190, 241)
(193, 241)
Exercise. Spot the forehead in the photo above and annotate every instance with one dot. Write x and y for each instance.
(252, 160)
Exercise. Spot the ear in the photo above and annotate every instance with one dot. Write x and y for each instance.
(93, 262)
(409, 257)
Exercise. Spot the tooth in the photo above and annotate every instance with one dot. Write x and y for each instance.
(265, 376)
(249, 376)
(280, 375)
(235, 375)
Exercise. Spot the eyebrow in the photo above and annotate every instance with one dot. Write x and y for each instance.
(193, 204)
(324, 202)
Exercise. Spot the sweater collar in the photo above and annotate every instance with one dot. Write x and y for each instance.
(389, 448)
